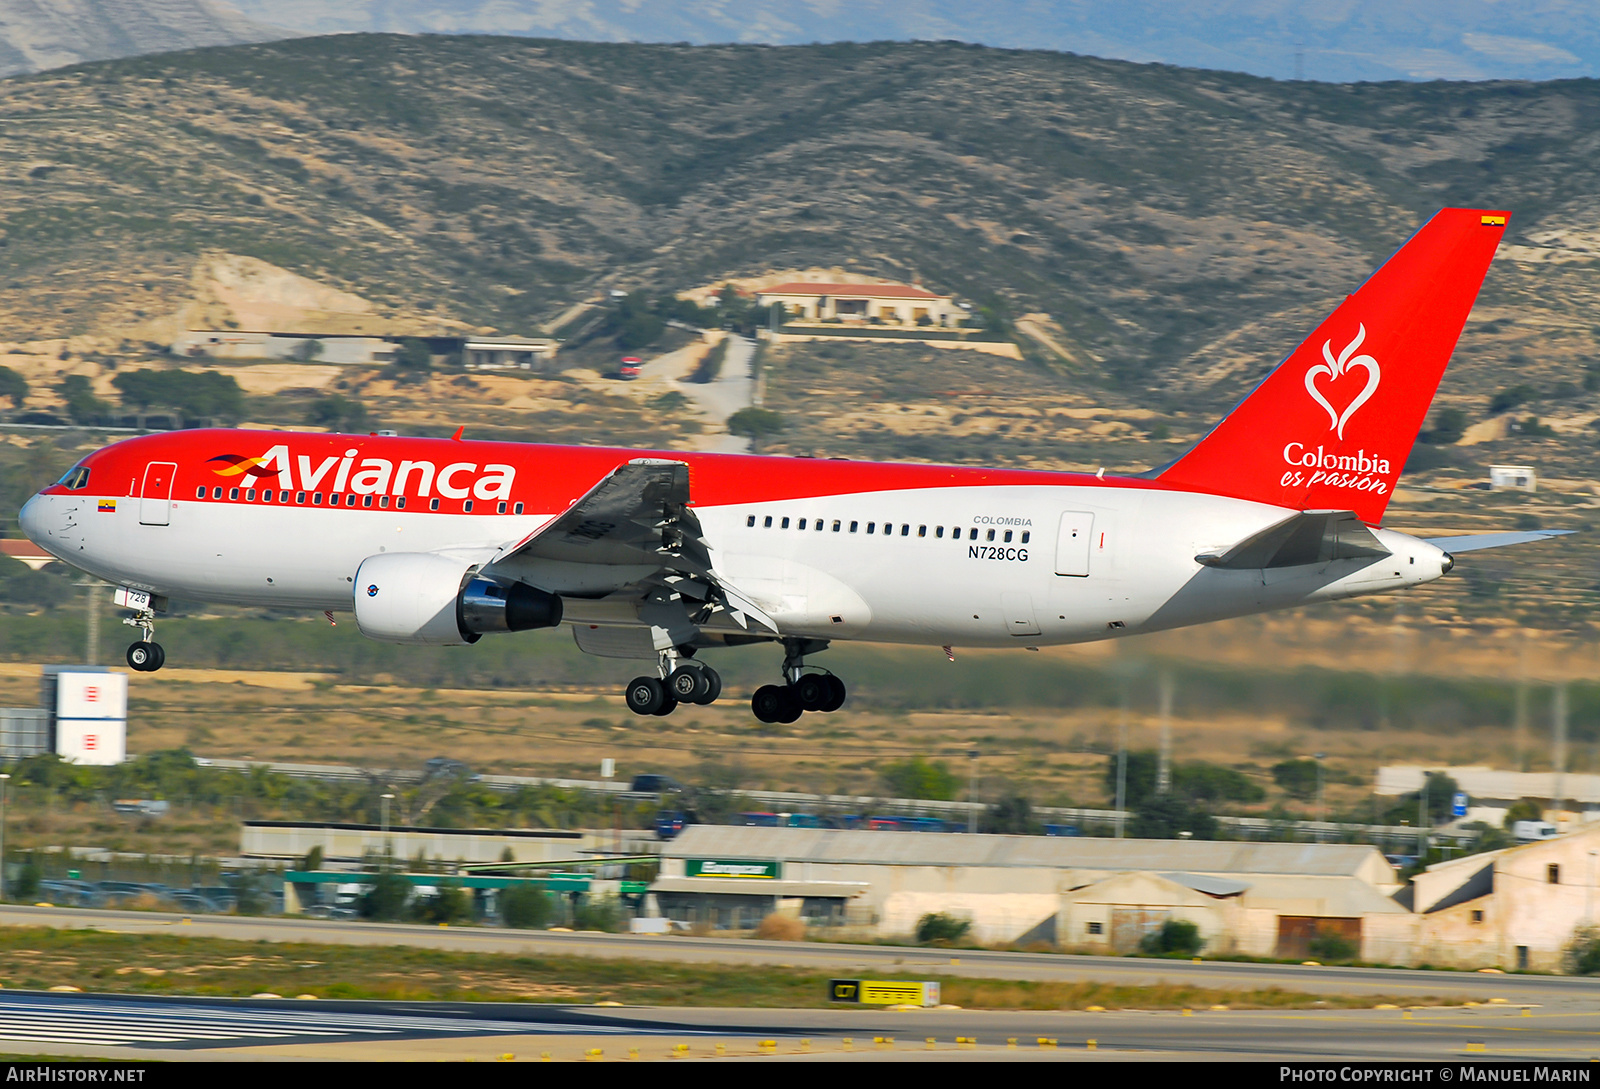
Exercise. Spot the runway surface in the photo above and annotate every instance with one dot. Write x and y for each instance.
(243, 1029)
(877, 961)
(1504, 1017)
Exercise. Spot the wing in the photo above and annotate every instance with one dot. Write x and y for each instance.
(1472, 542)
(640, 515)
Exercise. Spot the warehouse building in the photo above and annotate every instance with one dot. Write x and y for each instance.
(1093, 894)
(1517, 908)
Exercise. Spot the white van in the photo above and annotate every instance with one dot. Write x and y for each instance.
(1529, 831)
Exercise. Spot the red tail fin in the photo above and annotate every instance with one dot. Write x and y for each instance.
(1331, 427)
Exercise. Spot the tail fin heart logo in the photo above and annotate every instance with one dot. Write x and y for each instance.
(1335, 369)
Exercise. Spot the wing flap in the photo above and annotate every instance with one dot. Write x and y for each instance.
(640, 515)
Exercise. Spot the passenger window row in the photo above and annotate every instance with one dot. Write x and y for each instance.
(819, 525)
(335, 499)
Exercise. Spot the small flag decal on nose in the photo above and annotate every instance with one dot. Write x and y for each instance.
(108, 506)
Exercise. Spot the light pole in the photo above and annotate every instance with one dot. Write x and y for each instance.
(1321, 812)
(384, 800)
(5, 781)
(972, 793)
(1588, 900)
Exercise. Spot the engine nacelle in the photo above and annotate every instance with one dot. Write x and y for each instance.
(425, 599)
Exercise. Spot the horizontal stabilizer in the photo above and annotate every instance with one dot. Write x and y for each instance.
(1473, 542)
(1313, 536)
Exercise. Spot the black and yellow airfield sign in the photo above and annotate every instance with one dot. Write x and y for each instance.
(884, 992)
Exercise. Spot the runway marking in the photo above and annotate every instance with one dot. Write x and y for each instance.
(125, 1023)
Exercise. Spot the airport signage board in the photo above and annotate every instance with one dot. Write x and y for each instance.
(756, 868)
(884, 992)
(92, 695)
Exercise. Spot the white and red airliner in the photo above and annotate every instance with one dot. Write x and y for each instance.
(659, 555)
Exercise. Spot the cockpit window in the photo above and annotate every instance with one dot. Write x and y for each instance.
(77, 478)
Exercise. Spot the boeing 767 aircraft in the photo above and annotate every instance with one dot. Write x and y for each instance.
(660, 556)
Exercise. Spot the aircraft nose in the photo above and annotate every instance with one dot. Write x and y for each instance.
(1448, 563)
(32, 518)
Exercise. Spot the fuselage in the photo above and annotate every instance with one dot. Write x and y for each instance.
(829, 549)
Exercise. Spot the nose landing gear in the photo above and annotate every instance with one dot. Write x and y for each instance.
(146, 655)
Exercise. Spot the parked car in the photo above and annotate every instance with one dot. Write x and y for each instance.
(655, 784)
(630, 368)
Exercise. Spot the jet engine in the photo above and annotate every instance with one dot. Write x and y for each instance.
(425, 599)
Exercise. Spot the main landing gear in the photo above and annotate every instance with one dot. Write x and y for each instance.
(681, 680)
(802, 691)
(146, 655)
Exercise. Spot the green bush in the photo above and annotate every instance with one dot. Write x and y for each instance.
(1330, 945)
(209, 393)
(338, 412)
(386, 900)
(919, 778)
(1582, 955)
(603, 913)
(82, 405)
(937, 927)
(1166, 817)
(1298, 778)
(1527, 809)
(25, 886)
(525, 907)
(755, 423)
(451, 904)
(1012, 816)
(1176, 936)
(14, 386)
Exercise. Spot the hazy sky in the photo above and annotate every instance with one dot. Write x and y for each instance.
(1336, 40)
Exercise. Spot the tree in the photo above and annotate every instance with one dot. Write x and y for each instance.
(1525, 810)
(1138, 779)
(635, 325)
(206, 394)
(1203, 781)
(599, 913)
(338, 412)
(14, 386)
(526, 907)
(919, 778)
(1582, 955)
(937, 928)
(1508, 399)
(1449, 425)
(1330, 945)
(82, 405)
(1176, 936)
(412, 360)
(1194, 781)
(755, 423)
(1441, 790)
(450, 904)
(1011, 816)
(386, 899)
(306, 351)
(1298, 778)
(1164, 817)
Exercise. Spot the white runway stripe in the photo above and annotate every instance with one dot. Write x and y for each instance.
(86, 1021)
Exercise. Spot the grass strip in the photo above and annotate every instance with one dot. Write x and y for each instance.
(92, 960)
